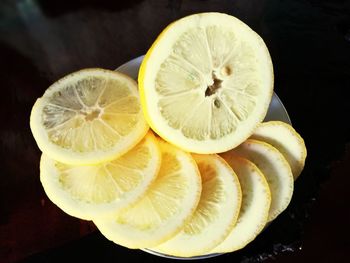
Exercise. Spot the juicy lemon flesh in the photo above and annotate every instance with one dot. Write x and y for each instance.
(105, 182)
(101, 190)
(163, 200)
(91, 114)
(167, 206)
(215, 215)
(212, 196)
(285, 138)
(212, 79)
(276, 170)
(256, 200)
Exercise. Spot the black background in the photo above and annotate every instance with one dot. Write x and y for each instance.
(309, 42)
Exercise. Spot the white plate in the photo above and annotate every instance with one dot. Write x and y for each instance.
(276, 111)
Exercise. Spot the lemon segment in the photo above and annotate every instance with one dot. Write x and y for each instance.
(276, 170)
(255, 204)
(206, 83)
(89, 116)
(216, 212)
(92, 191)
(164, 210)
(287, 140)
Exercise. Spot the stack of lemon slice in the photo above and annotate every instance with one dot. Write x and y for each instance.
(204, 87)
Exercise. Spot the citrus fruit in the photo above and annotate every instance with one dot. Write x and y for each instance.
(90, 191)
(255, 204)
(206, 82)
(89, 116)
(164, 210)
(285, 138)
(216, 212)
(276, 170)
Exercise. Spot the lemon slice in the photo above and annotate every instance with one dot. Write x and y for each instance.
(206, 83)
(92, 191)
(284, 137)
(89, 116)
(255, 204)
(216, 214)
(275, 169)
(167, 206)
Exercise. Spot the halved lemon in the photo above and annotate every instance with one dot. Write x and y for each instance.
(89, 116)
(255, 204)
(216, 214)
(100, 190)
(206, 82)
(287, 140)
(164, 210)
(276, 170)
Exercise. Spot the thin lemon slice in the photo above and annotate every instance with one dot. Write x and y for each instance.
(275, 169)
(255, 204)
(206, 82)
(92, 191)
(167, 206)
(216, 214)
(284, 137)
(89, 116)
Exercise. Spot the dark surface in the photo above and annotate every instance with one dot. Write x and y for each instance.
(309, 41)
